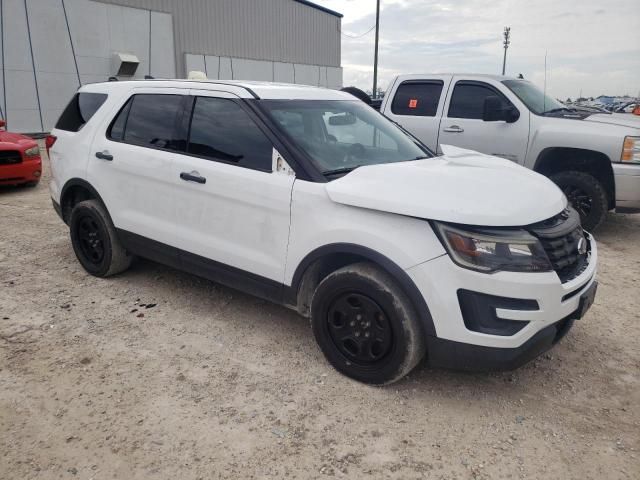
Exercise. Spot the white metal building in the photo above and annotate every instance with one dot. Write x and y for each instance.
(50, 47)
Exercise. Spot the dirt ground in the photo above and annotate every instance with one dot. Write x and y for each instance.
(160, 374)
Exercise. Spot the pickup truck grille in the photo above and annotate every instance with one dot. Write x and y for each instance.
(10, 157)
(565, 243)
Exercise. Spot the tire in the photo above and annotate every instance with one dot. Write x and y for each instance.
(365, 325)
(95, 242)
(586, 194)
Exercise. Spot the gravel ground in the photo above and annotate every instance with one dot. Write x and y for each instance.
(159, 374)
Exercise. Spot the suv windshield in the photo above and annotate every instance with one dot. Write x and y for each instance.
(534, 98)
(340, 135)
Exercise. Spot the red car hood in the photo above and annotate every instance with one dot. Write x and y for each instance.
(15, 141)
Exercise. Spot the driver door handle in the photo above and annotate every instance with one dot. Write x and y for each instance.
(193, 177)
(104, 155)
(453, 129)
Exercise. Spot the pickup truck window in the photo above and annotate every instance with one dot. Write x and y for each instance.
(222, 131)
(417, 98)
(468, 98)
(535, 99)
(340, 135)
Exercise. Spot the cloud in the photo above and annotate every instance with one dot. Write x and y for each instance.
(588, 47)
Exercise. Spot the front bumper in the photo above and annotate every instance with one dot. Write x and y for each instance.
(29, 170)
(627, 178)
(558, 303)
(475, 358)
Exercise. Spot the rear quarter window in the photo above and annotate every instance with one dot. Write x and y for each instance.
(79, 111)
(417, 98)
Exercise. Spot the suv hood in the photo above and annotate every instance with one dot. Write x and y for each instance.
(462, 186)
(621, 119)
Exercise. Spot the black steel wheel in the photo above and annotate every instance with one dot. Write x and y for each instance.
(359, 328)
(91, 238)
(365, 324)
(579, 199)
(586, 195)
(95, 241)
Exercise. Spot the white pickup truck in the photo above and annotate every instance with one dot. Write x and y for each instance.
(594, 158)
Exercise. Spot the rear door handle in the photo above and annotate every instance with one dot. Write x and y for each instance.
(105, 155)
(453, 129)
(193, 177)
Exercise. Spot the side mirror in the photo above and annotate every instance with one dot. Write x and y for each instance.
(341, 120)
(493, 111)
(2, 123)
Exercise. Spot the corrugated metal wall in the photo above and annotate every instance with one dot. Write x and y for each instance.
(278, 30)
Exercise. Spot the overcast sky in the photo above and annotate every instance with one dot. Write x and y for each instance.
(592, 45)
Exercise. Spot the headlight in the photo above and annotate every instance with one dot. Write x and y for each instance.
(631, 150)
(494, 250)
(32, 152)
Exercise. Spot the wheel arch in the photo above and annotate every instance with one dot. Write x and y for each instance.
(74, 191)
(553, 160)
(327, 259)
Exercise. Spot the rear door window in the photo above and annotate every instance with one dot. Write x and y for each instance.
(468, 99)
(150, 120)
(222, 131)
(79, 111)
(153, 120)
(417, 98)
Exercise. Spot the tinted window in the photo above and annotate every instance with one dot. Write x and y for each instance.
(152, 121)
(117, 127)
(222, 130)
(467, 100)
(80, 109)
(417, 98)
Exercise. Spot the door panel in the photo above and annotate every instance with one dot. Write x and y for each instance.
(417, 104)
(226, 210)
(462, 124)
(134, 180)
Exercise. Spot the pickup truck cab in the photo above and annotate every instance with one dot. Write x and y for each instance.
(593, 157)
(309, 198)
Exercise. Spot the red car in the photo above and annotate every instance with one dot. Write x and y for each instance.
(20, 161)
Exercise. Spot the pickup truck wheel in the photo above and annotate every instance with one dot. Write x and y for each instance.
(365, 325)
(95, 242)
(586, 194)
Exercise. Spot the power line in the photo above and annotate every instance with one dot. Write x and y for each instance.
(357, 36)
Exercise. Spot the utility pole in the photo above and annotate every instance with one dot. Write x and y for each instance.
(375, 57)
(505, 43)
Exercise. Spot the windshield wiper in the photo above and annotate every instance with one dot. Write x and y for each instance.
(556, 110)
(338, 171)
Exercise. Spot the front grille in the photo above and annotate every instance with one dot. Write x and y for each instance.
(562, 238)
(10, 157)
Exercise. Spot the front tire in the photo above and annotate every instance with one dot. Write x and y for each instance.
(365, 325)
(586, 195)
(95, 241)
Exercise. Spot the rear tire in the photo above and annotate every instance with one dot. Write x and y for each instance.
(585, 194)
(95, 241)
(365, 325)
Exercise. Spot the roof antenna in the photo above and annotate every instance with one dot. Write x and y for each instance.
(544, 95)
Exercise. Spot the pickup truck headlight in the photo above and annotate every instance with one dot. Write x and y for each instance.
(32, 152)
(493, 250)
(631, 150)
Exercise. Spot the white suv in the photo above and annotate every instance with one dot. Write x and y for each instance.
(309, 198)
